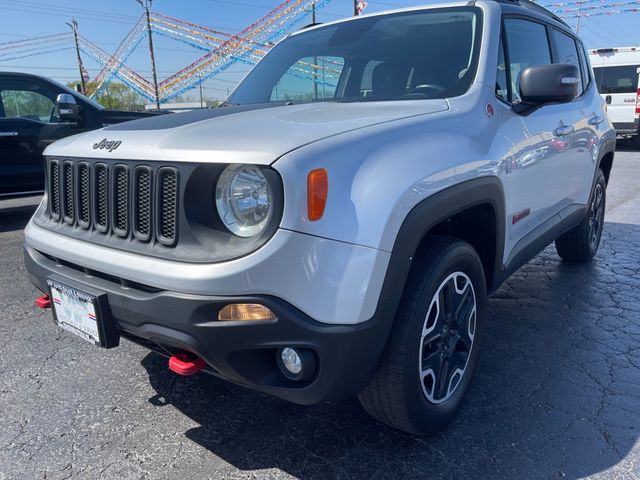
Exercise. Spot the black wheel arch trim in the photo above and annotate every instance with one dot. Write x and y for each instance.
(421, 219)
(608, 147)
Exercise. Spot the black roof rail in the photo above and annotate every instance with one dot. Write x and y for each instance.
(309, 25)
(536, 8)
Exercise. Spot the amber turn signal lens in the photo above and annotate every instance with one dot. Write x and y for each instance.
(245, 311)
(317, 190)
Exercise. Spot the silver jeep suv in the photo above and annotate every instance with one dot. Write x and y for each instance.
(335, 227)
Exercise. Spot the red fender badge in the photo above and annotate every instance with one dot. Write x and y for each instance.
(489, 110)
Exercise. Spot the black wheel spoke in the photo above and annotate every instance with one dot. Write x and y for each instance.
(464, 309)
(432, 361)
(442, 378)
(459, 360)
(431, 338)
(446, 300)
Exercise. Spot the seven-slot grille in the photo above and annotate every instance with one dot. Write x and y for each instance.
(126, 201)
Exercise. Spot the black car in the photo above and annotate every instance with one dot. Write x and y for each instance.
(34, 112)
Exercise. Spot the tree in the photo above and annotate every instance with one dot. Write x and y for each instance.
(117, 96)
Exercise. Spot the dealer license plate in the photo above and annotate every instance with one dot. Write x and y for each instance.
(75, 311)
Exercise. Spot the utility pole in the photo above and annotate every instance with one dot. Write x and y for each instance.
(146, 5)
(358, 7)
(74, 28)
(315, 59)
(579, 15)
(200, 84)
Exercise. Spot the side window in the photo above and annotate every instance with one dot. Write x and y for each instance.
(585, 67)
(28, 104)
(311, 78)
(566, 50)
(527, 45)
(502, 90)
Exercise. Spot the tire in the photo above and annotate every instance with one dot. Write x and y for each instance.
(402, 393)
(581, 243)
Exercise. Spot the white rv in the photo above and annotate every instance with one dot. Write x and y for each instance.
(617, 74)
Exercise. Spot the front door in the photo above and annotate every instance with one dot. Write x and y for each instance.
(539, 144)
(28, 123)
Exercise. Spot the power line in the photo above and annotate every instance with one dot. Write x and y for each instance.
(79, 11)
(48, 14)
(74, 9)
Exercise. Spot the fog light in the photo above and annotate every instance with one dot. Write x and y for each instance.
(245, 311)
(291, 360)
(296, 363)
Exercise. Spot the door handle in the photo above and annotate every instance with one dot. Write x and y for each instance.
(596, 120)
(563, 130)
(8, 134)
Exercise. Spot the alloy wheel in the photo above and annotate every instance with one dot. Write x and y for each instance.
(596, 216)
(447, 337)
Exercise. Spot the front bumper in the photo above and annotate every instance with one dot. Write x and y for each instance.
(241, 352)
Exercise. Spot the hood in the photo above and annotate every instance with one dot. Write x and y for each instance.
(110, 117)
(257, 134)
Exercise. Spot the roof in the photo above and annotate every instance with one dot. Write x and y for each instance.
(512, 6)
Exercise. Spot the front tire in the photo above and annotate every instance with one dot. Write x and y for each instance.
(432, 351)
(581, 243)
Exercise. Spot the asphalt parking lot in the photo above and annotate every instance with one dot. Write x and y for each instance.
(556, 394)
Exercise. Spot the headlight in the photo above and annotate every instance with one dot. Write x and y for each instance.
(244, 200)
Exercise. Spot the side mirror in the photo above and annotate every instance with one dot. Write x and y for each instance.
(68, 109)
(555, 83)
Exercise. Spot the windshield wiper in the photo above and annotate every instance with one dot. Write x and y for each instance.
(228, 104)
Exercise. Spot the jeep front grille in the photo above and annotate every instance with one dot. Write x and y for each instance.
(67, 189)
(121, 201)
(101, 198)
(116, 199)
(142, 208)
(168, 201)
(84, 203)
(54, 192)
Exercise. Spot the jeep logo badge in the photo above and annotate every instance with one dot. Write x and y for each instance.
(109, 145)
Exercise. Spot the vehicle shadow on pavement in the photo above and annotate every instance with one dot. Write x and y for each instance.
(627, 145)
(15, 218)
(556, 393)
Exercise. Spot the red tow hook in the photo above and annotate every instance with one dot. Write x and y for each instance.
(43, 302)
(185, 364)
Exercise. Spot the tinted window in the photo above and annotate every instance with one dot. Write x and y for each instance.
(28, 104)
(408, 55)
(502, 91)
(528, 46)
(584, 67)
(566, 50)
(623, 79)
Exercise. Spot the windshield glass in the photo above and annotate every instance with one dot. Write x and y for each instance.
(408, 55)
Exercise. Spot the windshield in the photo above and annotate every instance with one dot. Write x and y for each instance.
(408, 55)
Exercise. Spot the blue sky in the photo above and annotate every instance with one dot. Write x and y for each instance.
(106, 22)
